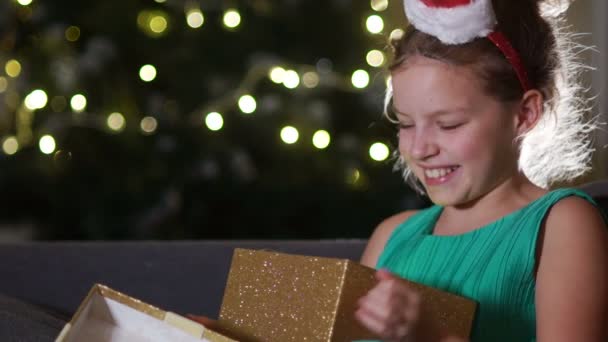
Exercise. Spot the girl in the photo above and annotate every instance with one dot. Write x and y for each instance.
(483, 96)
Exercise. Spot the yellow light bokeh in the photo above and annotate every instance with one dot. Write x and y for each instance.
(12, 68)
(374, 24)
(232, 18)
(353, 176)
(24, 2)
(3, 84)
(396, 34)
(10, 145)
(310, 79)
(195, 18)
(291, 80)
(37, 99)
(379, 151)
(379, 5)
(116, 121)
(360, 79)
(214, 121)
(78, 103)
(247, 104)
(148, 125)
(72, 33)
(158, 24)
(321, 139)
(375, 58)
(289, 135)
(277, 75)
(47, 144)
(147, 73)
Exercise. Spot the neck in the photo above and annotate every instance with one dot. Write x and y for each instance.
(507, 196)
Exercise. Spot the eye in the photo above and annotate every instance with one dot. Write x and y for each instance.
(448, 127)
(401, 126)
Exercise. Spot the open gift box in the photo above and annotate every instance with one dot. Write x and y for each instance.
(275, 297)
(107, 315)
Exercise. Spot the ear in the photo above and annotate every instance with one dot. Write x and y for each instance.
(529, 111)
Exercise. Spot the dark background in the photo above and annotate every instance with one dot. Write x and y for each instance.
(185, 181)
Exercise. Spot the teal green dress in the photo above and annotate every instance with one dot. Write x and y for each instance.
(493, 265)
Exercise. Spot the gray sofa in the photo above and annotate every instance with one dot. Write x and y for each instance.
(42, 284)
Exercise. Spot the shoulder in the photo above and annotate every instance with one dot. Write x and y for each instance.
(572, 274)
(381, 234)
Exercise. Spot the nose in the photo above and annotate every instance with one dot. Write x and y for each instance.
(421, 145)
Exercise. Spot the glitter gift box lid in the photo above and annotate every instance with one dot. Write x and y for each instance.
(106, 315)
(276, 297)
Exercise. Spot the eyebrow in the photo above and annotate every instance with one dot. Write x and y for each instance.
(435, 113)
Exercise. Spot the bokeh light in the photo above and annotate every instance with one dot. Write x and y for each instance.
(116, 122)
(360, 79)
(321, 139)
(78, 103)
(147, 73)
(214, 121)
(47, 144)
(379, 151)
(247, 104)
(374, 23)
(289, 135)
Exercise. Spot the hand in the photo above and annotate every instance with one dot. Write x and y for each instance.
(391, 309)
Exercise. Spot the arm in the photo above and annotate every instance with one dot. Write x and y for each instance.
(381, 234)
(572, 274)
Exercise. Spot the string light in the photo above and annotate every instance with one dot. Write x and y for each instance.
(321, 139)
(36, 99)
(147, 73)
(291, 80)
(72, 33)
(47, 144)
(379, 151)
(195, 18)
(214, 121)
(116, 122)
(78, 103)
(310, 79)
(375, 58)
(379, 5)
(374, 23)
(12, 68)
(289, 135)
(148, 125)
(396, 34)
(158, 24)
(232, 18)
(247, 104)
(10, 145)
(277, 75)
(360, 79)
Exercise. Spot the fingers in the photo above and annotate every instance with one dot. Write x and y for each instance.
(391, 309)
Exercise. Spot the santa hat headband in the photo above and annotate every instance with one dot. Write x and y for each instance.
(461, 21)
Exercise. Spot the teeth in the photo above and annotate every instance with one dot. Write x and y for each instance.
(436, 173)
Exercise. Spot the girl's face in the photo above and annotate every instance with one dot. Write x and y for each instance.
(457, 140)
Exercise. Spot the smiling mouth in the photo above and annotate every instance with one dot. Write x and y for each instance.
(439, 172)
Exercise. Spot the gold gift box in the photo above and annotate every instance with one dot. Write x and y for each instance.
(106, 315)
(276, 297)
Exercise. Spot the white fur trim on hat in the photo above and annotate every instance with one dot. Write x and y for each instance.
(456, 25)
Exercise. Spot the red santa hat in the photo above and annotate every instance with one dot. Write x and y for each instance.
(461, 21)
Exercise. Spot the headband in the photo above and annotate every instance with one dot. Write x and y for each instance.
(461, 21)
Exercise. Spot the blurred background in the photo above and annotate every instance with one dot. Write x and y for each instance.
(173, 119)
